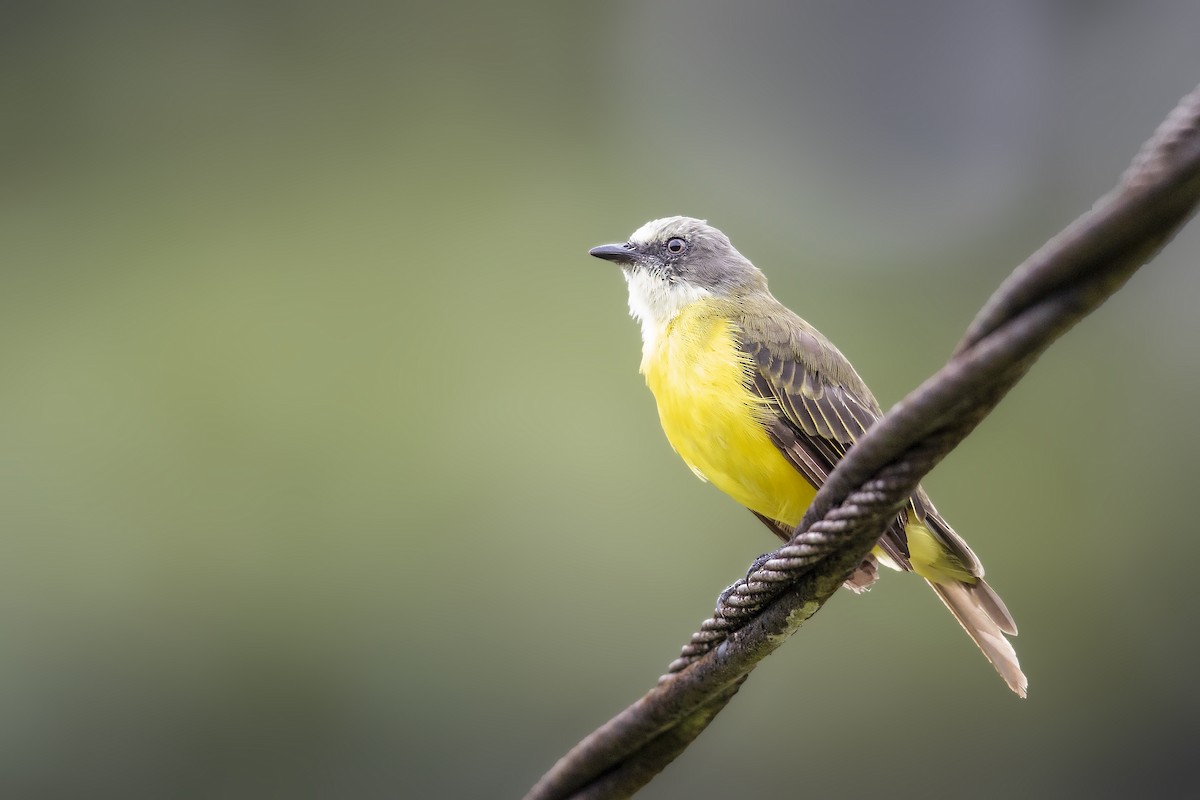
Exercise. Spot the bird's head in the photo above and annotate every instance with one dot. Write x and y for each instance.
(672, 262)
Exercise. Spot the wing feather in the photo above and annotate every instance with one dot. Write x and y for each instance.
(823, 407)
(818, 418)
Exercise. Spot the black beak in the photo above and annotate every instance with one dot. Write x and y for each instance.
(620, 253)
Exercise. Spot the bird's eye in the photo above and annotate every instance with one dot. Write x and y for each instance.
(676, 246)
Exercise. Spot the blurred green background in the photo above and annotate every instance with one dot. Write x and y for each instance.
(327, 470)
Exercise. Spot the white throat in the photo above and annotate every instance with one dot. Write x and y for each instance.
(654, 302)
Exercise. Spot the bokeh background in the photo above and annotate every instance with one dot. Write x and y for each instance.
(325, 467)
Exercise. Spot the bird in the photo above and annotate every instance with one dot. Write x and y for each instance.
(759, 403)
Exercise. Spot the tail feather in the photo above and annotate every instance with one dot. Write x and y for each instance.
(985, 619)
(986, 598)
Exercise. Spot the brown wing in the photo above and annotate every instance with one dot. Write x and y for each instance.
(817, 419)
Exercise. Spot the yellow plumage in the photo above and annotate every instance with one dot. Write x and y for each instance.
(697, 375)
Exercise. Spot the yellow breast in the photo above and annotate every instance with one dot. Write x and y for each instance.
(698, 375)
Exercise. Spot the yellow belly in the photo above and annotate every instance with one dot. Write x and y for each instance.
(697, 375)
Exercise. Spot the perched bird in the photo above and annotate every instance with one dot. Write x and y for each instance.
(759, 403)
